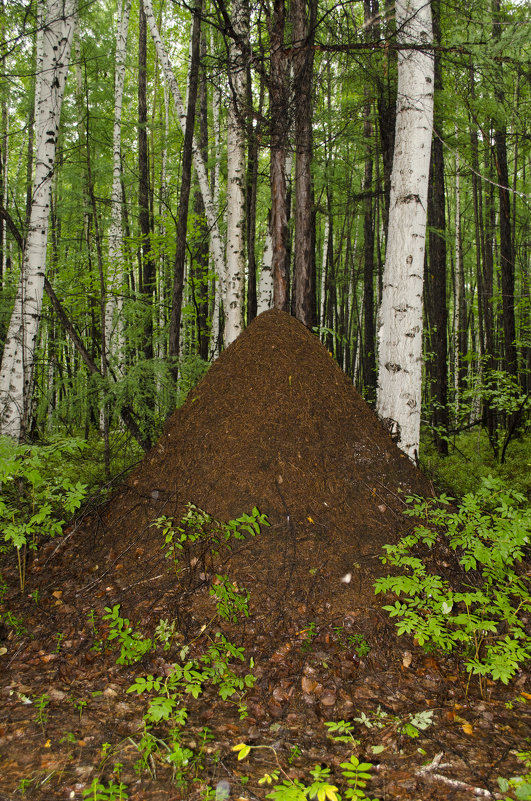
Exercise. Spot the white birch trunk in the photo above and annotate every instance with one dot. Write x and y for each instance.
(235, 261)
(265, 286)
(114, 301)
(16, 372)
(400, 323)
(211, 210)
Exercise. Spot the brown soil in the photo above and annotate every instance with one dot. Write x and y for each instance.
(277, 425)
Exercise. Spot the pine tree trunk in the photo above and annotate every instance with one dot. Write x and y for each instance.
(401, 322)
(506, 240)
(147, 272)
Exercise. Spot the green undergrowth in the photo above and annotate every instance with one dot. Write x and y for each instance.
(37, 497)
(486, 619)
(471, 459)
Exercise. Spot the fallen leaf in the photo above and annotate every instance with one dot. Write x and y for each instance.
(308, 684)
(468, 728)
(407, 658)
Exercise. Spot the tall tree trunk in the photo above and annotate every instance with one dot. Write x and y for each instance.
(16, 372)
(400, 333)
(147, 273)
(186, 178)
(506, 240)
(303, 15)
(279, 105)
(201, 233)
(235, 259)
(368, 356)
(435, 289)
(251, 199)
(386, 99)
(113, 312)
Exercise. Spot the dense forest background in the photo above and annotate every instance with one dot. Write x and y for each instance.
(150, 271)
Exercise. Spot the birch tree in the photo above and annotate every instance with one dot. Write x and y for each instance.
(236, 177)
(400, 323)
(16, 372)
(116, 256)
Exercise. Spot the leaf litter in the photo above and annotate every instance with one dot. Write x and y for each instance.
(274, 424)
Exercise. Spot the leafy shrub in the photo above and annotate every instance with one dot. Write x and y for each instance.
(490, 531)
(34, 495)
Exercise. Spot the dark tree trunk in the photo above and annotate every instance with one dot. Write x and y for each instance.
(147, 270)
(184, 197)
(368, 358)
(303, 13)
(435, 285)
(506, 241)
(200, 235)
(386, 100)
(279, 104)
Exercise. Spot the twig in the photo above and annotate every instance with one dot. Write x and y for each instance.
(428, 771)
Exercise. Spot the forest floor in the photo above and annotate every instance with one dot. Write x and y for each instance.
(275, 425)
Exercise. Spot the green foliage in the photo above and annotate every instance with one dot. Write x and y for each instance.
(231, 601)
(472, 459)
(98, 792)
(519, 785)
(356, 642)
(198, 525)
(35, 494)
(355, 773)
(41, 703)
(213, 667)
(490, 531)
(133, 646)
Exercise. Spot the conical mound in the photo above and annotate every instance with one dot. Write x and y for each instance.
(275, 424)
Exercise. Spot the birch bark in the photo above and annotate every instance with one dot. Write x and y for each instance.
(265, 287)
(400, 325)
(234, 288)
(116, 256)
(16, 372)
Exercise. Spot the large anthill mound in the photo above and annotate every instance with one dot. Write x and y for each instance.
(274, 424)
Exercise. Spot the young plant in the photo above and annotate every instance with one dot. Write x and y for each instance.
(355, 773)
(133, 646)
(41, 702)
(197, 525)
(231, 601)
(113, 792)
(490, 530)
